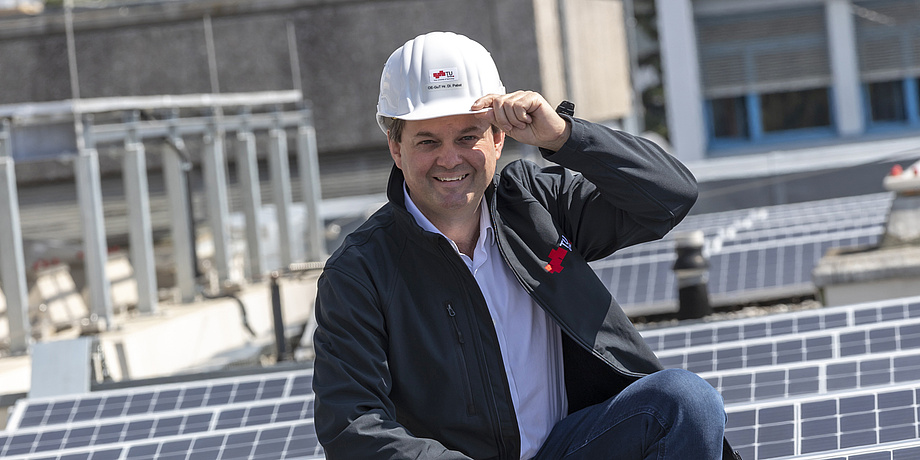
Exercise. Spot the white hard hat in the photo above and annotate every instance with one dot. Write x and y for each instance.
(435, 75)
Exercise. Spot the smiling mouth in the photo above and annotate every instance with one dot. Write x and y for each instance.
(451, 179)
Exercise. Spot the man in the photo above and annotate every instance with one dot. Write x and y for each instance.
(462, 319)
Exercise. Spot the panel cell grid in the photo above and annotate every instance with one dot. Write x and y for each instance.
(825, 424)
(280, 441)
(38, 439)
(667, 338)
(162, 399)
(873, 338)
(753, 254)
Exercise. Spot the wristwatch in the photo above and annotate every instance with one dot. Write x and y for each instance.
(566, 108)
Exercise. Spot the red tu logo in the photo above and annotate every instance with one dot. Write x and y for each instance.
(555, 260)
(443, 74)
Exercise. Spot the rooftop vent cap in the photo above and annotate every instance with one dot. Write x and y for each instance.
(903, 181)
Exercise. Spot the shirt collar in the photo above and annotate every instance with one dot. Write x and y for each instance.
(486, 237)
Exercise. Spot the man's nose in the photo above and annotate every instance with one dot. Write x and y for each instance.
(450, 157)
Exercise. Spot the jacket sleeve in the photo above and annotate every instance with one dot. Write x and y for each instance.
(628, 191)
(354, 417)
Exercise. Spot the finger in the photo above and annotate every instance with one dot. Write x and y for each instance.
(516, 108)
(501, 118)
(521, 108)
(496, 115)
(484, 102)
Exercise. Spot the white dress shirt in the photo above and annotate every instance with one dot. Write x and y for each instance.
(531, 343)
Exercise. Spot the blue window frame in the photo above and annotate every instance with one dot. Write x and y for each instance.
(892, 104)
(888, 47)
(780, 116)
(765, 76)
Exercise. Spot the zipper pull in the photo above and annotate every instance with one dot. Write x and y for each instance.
(453, 317)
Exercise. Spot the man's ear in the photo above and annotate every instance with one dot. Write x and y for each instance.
(498, 137)
(394, 151)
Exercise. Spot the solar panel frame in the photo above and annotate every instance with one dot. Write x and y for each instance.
(904, 450)
(98, 433)
(825, 423)
(785, 242)
(694, 334)
(240, 443)
(751, 385)
(146, 400)
(809, 346)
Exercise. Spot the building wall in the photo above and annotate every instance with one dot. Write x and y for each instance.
(341, 48)
(598, 58)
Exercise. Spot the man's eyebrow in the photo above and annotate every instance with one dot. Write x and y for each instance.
(469, 129)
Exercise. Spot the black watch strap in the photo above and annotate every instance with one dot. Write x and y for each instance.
(566, 108)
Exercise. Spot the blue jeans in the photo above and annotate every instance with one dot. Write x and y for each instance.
(671, 414)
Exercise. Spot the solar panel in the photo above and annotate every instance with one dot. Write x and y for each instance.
(824, 424)
(754, 254)
(907, 450)
(696, 334)
(815, 377)
(100, 406)
(205, 419)
(810, 346)
(296, 439)
(147, 426)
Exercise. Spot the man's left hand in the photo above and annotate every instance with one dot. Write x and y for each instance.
(527, 117)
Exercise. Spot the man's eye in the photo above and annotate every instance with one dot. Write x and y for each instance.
(426, 142)
(468, 138)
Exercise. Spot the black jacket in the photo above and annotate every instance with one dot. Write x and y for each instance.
(407, 360)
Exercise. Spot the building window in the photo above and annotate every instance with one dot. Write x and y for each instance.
(888, 47)
(795, 110)
(765, 74)
(886, 101)
(916, 93)
(729, 118)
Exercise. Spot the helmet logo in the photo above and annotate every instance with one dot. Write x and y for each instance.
(442, 75)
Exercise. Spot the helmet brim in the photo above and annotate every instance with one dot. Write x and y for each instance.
(434, 109)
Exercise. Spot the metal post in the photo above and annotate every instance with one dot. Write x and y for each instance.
(139, 226)
(635, 121)
(251, 195)
(95, 251)
(215, 180)
(71, 50)
(175, 170)
(692, 270)
(281, 190)
(12, 261)
(308, 164)
(278, 319)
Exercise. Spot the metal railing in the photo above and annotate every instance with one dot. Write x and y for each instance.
(126, 123)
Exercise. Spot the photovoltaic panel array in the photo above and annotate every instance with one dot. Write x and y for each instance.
(753, 254)
(825, 424)
(840, 382)
(816, 377)
(256, 416)
(812, 346)
(288, 440)
(710, 333)
(908, 450)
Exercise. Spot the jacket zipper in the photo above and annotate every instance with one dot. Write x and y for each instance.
(470, 407)
(499, 437)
